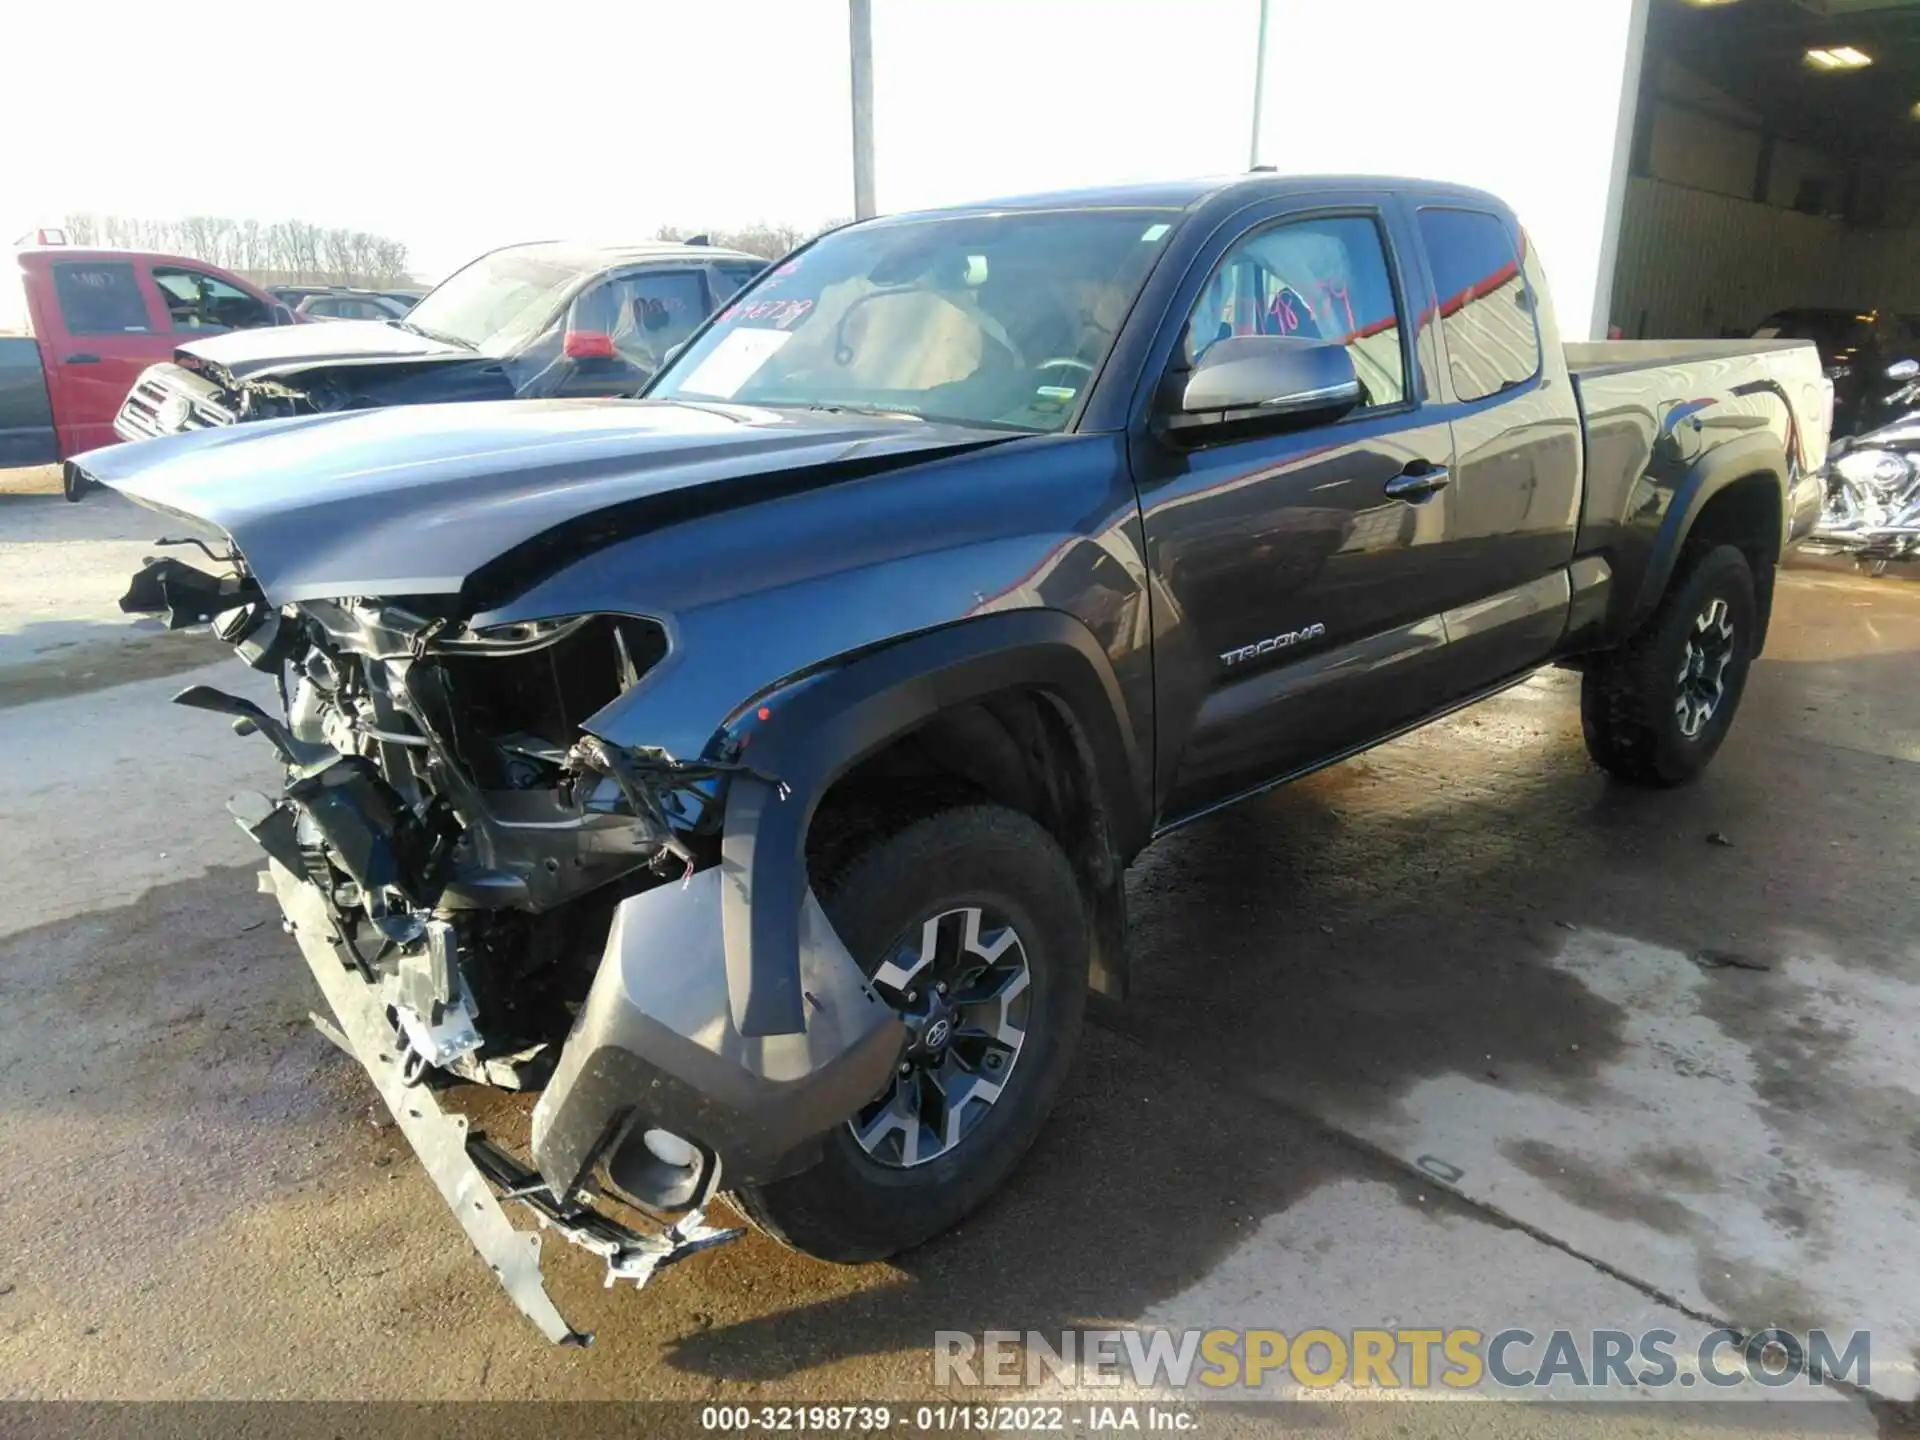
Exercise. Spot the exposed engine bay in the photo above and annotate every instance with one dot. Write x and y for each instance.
(490, 893)
(195, 393)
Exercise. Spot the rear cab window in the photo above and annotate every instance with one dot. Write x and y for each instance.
(100, 297)
(1486, 310)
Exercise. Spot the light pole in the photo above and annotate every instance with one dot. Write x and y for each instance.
(1259, 88)
(860, 43)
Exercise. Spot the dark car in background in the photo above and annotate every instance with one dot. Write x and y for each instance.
(1857, 347)
(346, 303)
(551, 318)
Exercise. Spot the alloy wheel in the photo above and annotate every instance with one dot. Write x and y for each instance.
(1703, 667)
(962, 985)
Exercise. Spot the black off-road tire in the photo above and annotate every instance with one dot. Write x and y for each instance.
(850, 1207)
(1628, 699)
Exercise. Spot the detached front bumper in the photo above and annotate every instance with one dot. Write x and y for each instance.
(656, 1047)
(653, 1049)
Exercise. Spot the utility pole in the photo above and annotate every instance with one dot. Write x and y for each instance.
(860, 42)
(1259, 87)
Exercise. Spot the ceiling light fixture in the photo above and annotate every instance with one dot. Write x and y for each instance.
(1709, 4)
(1839, 57)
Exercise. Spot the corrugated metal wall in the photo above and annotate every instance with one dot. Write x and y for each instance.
(1693, 263)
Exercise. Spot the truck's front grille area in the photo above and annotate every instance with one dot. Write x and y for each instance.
(159, 404)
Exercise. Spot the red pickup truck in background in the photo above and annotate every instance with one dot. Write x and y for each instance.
(78, 326)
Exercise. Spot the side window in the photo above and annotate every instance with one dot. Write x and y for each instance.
(199, 301)
(345, 307)
(1486, 312)
(648, 313)
(99, 298)
(1324, 278)
(731, 279)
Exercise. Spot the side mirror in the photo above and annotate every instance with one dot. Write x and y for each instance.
(1903, 370)
(1251, 377)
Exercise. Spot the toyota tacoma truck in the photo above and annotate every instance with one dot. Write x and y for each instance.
(749, 770)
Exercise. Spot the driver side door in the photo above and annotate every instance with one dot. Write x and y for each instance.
(1297, 565)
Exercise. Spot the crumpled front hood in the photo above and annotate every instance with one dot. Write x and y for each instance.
(289, 349)
(412, 500)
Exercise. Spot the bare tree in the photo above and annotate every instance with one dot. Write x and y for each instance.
(222, 242)
(336, 248)
(292, 251)
(197, 236)
(250, 245)
(390, 261)
(281, 247)
(305, 239)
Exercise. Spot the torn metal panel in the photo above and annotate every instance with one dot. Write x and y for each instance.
(439, 1138)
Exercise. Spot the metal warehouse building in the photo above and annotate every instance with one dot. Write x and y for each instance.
(1687, 167)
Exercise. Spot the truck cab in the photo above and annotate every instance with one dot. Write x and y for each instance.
(78, 326)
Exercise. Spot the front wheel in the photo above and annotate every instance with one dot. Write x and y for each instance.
(970, 924)
(1655, 711)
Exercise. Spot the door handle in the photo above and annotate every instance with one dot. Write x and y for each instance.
(1418, 484)
(83, 358)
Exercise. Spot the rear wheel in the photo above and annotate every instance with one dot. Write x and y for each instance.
(1655, 711)
(970, 924)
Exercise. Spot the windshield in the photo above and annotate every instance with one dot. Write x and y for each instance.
(980, 319)
(498, 303)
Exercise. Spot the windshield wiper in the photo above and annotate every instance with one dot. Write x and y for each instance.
(411, 328)
(887, 412)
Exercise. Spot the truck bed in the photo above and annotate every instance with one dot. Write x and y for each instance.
(1635, 386)
(1651, 409)
(1609, 357)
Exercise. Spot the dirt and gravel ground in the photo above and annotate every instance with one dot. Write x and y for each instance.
(1659, 1046)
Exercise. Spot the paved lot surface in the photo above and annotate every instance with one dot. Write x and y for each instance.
(1669, 1079)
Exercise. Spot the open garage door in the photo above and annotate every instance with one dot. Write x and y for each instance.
(1774, 181)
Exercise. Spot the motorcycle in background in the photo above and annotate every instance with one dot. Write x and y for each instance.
(1872, 509)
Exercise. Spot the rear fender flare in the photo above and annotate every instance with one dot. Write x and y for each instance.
(1726, 464)
(817, 728)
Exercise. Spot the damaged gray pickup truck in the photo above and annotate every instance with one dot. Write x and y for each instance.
(750, 770)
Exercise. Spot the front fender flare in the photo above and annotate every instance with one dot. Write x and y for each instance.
(818, 728)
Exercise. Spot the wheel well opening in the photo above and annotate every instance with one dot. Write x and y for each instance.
(1019, 748)
(1746, 515)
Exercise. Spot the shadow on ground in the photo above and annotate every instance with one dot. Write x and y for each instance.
(45, 660)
